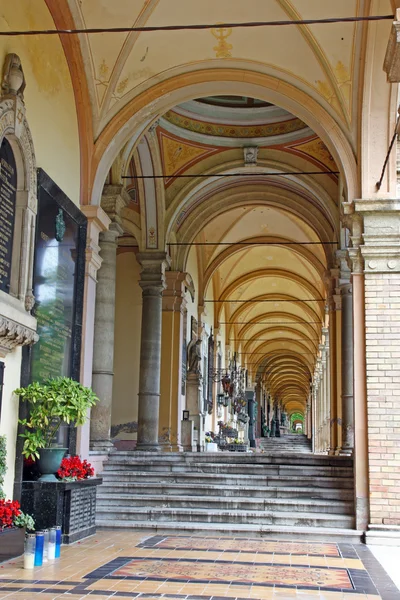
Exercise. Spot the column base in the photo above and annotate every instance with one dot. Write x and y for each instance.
(382, 535)
(171, 448)
(102, 446)
(346, 451)
(148, 448)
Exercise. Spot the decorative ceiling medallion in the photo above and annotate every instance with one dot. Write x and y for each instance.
(178, 155)
(234, 131)
(222, 49)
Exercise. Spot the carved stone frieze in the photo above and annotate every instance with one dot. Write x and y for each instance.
(114, 199)
(14, 334)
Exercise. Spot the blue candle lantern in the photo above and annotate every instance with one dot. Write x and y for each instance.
(39, 549)
(58, 542)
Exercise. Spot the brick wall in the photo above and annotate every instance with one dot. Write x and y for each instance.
(382, 309)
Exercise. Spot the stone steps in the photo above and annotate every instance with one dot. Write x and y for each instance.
(177, 489)
(258, 493)
(239, 502)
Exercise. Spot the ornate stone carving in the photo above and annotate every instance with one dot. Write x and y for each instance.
(114, 199)
(29, 302)
(14, 334)
(13, 82)
(250, 156)
(13, 122)
(194, 353)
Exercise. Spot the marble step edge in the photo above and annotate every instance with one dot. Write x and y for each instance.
(244, 470)
(215, 499)
(162, 487)
(288, 532)
(162, 511)
(207, 475)
(227, 499)
(231, 457)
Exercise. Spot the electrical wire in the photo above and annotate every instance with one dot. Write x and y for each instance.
(253, 243)
(271, 323)
(211, 175)
(270, 300)
(199, 27)
(396, 132)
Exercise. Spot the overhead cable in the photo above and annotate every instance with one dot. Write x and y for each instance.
(211, 175)
(255, 243)
(270, 300)
(245, 24)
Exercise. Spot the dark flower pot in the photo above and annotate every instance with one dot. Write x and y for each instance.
(11, 543)
(49, 462)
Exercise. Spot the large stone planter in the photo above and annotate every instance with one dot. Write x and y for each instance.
(11, 543)
(72, 505)
(237, 447)
(211, 447)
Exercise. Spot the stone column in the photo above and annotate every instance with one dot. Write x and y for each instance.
(152, 283)
(113, 201)
(98, 221)
(103, 344)
(333, 392)
(194, 402)
(173, 307)
(347, 371)
(323, 397)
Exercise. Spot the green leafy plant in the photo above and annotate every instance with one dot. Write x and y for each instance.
(24, 520)
(3, 467)
(53, 402)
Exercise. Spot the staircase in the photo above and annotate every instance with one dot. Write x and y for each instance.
(287, 443)
(281, 494)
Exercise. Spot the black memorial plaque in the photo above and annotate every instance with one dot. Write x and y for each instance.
(8, 191)
(58, 284)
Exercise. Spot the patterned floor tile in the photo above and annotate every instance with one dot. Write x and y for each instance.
(252, 546)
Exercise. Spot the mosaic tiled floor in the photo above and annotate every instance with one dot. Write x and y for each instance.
(177, 567)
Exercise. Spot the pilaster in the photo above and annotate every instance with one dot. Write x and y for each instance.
(173, 309)
(98, 222)
(381, 255)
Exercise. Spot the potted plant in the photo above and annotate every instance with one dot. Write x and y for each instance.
(51, 403)
(72, 468)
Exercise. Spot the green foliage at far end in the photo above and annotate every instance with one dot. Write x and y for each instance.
(3, 467)
(51, 403)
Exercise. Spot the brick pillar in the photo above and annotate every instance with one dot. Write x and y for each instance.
(377, 223)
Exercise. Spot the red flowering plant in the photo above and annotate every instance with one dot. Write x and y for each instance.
(9, 511)
(73, 469)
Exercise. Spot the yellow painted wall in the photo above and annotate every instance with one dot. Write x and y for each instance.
(9, 414)
(49, 98)
(128, 315)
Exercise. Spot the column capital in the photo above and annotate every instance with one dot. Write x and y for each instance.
(378, 239)
(346, 289)
(174, 292)
(152, 277)
(113, 200)
(98, 222)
